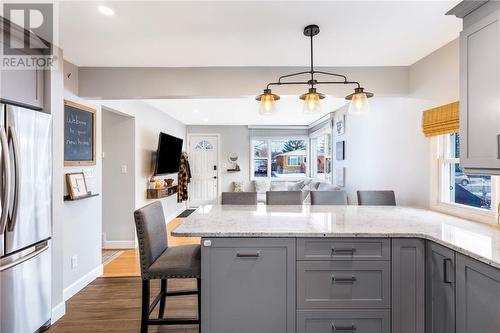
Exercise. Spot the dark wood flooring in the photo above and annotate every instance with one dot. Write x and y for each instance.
(114, 304)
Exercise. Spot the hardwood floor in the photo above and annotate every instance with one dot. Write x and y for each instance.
(127, 264)
(114, 305)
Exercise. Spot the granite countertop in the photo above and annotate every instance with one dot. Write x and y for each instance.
(476, 240)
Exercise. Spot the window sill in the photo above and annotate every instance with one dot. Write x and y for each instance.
(468, 213)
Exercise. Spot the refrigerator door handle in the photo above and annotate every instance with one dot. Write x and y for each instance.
(5, 195)
(12, 137)
(39, 249)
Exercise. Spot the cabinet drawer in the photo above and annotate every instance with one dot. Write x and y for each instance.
(343, 284)
(343, 249)
(342, 321)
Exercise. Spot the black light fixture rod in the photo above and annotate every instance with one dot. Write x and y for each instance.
(332, 74)
(312, 62)
(284, 83)
(339, 82)
(294, 74)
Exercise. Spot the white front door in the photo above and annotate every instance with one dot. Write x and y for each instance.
(203, 160)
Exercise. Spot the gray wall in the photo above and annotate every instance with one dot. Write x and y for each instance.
(233, 139)
(118, 188)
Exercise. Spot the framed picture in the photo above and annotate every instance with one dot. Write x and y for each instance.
(340, 177)
(77, 186)
(339, 125)
(79, 134)
(340, 150)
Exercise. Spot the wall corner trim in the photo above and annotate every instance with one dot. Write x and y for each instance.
(81, 283)
(57, 312)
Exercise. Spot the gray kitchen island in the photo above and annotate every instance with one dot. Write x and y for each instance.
(324, 269)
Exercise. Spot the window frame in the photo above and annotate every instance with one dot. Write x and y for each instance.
(325, 132)
(440, 201)
(268, 140)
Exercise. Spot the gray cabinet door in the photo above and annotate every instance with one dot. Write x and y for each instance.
(343, 284)
(344, 321)
(480, 95)
(478, 296)
(23, 87)
(440, 289)
(248, 285)
(408, 286)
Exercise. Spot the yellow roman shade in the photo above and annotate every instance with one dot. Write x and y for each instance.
(441, 120)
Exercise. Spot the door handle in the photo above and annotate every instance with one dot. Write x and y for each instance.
(215, 177)
(343, 251)
(351, 328)
(25, 258)
(5, 188)
(446, 268)
(215, 167)
(15, 145)
(351, 279)
(248, 255)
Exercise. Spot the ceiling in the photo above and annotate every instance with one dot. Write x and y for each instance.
(241, 111)
(253, 33)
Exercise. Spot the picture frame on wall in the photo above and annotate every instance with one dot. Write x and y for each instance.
(340, 177)
(339, 124)
(340, 150)
(77, 185)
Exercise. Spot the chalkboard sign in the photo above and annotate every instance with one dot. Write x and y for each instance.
(79, 134)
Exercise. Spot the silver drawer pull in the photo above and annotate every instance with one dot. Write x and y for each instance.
(343, 251)
(248, 254)
(351, 279)
(351, 328)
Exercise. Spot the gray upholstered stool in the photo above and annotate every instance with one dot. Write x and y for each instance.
(336, 197)
(284, 197)
(376, 198)
(239, 198)
(159, 261)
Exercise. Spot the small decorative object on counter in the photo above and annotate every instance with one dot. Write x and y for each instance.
(152, 183)
(77, 185)
(238, 186)
(159, 184)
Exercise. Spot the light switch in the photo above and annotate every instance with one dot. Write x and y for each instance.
(124, 168)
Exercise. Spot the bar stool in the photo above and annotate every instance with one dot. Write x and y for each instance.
(159, 261)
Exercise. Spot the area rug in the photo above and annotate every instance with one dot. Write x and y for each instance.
(109, 255)
(186, 213)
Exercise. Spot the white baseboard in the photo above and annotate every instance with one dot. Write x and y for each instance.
(128, 244)
(81, 283)
(57, 312)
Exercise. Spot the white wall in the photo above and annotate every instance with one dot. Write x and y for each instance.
(118, 187)
(149, 122)
(386, 150)
(233, 139)
(82, 218)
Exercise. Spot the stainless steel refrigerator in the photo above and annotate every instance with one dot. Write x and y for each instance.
(25, 219)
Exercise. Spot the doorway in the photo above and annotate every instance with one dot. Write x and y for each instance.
(203, 152)
(118, 180)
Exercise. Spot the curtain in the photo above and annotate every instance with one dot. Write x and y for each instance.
(441, 120)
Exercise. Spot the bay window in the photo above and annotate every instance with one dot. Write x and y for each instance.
(284, 158)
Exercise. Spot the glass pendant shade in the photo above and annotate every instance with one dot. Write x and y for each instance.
(312, 102)
(359, 103)
(267, 102)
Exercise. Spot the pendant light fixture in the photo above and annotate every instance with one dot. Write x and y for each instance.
(359, 99)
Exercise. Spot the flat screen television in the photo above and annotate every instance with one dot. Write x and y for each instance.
(168, 154)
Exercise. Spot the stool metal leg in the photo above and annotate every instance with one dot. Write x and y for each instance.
(198, 284)
(145, 306)
(163, 299)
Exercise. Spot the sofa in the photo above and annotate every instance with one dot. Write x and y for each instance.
(261, 186)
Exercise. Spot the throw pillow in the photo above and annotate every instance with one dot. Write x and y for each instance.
(262, 185)
(238, 186)
(279, 186)
(327, 187)
(297, 186)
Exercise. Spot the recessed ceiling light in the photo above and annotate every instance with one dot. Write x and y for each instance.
(196, 111)
(104, 10)
(205, 120)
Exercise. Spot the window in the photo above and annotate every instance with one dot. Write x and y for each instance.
(279, 158)
(204, 145)
(456, 187)
(321, 157)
